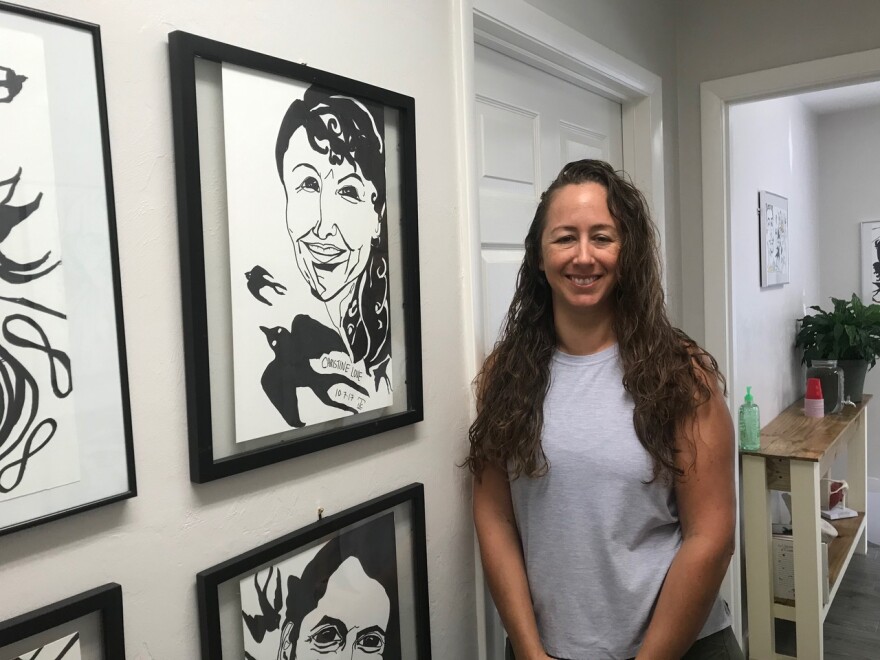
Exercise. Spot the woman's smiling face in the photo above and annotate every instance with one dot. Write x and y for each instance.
(330, 216)
(580, 246)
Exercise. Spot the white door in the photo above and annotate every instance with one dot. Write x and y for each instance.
(529, 124)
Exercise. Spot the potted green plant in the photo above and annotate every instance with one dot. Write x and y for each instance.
(850, 334)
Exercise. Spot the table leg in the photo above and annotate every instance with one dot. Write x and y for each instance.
(857, 474)
(807, 559)
(758, 543)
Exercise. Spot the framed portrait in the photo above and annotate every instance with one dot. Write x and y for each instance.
(87, 626)
(775, 252)
(356, 580)
(65, 431)
(298, 225)
(870, 273)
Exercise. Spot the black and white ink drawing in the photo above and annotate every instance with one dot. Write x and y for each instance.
(66, 648)
(38, 439)
(308, 239)
(774, 239)
(339, 600)
(870, 273)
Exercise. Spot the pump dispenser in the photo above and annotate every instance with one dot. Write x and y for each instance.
(749, 424)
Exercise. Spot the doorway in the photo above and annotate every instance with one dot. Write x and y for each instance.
(732, 326)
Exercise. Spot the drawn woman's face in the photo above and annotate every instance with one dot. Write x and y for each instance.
(350, 619)
(330, 217)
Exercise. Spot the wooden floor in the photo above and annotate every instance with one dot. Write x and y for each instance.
(852, 627)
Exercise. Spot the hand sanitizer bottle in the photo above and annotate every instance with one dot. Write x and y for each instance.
(749, 424)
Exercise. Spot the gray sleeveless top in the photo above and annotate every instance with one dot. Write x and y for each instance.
(597, 541)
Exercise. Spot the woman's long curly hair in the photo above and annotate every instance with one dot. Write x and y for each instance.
(667, 374)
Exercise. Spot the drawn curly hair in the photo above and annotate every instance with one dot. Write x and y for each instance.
(667, 374)
(344, 128)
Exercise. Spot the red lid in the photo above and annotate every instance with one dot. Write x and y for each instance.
(814, 389)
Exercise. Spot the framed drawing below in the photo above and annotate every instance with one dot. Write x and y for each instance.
(299, 254)
(870, 273)
(65, 432)
(775, 251)
(88, 626)
(355, 580)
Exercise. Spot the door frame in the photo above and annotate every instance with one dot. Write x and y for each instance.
(521, 31)
(715, 99)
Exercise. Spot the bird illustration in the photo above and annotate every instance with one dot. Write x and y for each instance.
(306, 340)
(13, 271)
(11, 215)
(259, 278)
(12, 83)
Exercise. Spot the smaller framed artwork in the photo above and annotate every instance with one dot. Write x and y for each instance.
(87, 626)
(355, 581)
(298, 227)
(65, 428)
(775, 250)
(870, 272)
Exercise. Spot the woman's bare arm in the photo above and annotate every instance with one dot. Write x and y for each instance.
(503, 563)
(707, 510)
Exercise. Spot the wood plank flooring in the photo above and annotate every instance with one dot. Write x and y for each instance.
(852, 627)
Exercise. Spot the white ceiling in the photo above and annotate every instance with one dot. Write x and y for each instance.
(842, 98)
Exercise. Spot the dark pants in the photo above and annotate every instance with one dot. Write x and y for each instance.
(717, 646)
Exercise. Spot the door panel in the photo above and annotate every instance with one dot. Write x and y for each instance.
(529, 124)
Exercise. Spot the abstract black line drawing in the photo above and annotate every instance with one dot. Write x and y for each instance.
(12, 84)
(875, 295)
(20, 388)
(61, 452)
(10, 217)
(870, 261)
(67, 648)
(343, 603)
(259, 278)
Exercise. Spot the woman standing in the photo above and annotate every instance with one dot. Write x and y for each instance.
(603, 449)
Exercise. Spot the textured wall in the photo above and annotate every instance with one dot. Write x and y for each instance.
(772, 147)
(155, 544)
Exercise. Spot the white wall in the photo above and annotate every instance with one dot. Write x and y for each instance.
(155, 544)
(643, 31)
(849, 194)
(773, 148)
(718, 38)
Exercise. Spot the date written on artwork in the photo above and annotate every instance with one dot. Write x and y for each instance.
(337, 363)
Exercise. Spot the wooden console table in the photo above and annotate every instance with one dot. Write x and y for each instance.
(796, 451)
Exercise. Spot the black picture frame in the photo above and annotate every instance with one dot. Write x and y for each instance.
(214, 451)
(219, 584)
(70, 124)
(42, 626)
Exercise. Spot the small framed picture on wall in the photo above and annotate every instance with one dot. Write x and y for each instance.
(870, 270)
(774, 230)
(87, 626)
